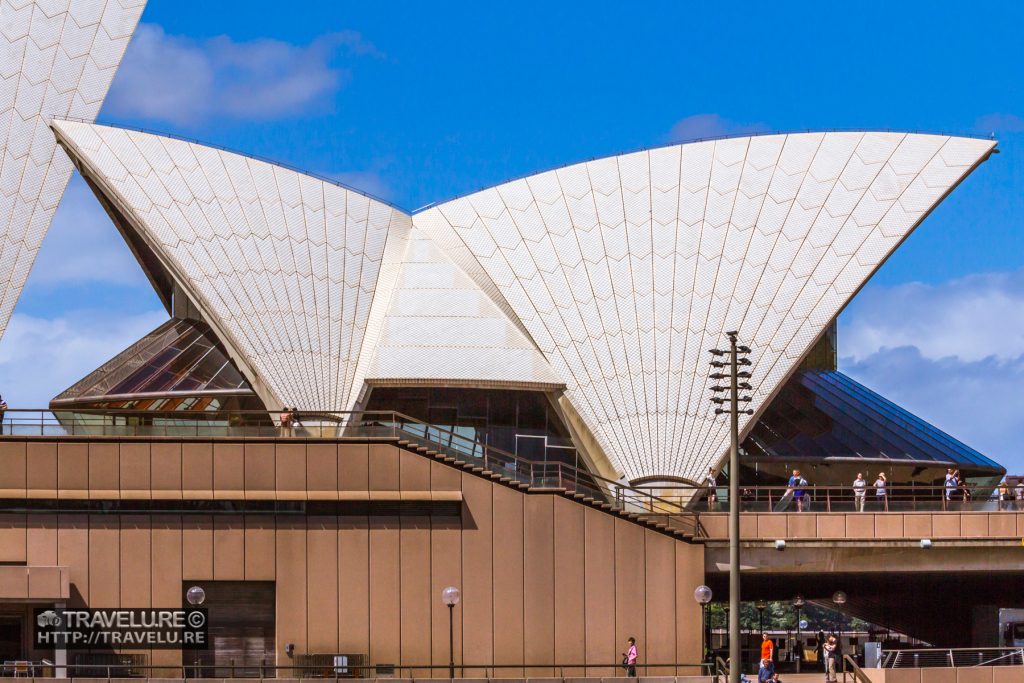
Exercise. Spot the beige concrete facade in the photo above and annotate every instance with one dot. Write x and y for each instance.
(866, 526)
(545, 580)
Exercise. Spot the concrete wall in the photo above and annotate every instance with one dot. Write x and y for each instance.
(869, 526)
(544, 579)
(974, 674)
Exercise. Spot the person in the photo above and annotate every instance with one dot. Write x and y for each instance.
(797, 484)
(880, 493)
(629, 658)
(763, 674)
(951, 484)
(860, 487)
(712, 484)
(768, 653)
(1018, 493)
(1004, 495)
(286, 421)
(829, 650)
(775, 678)
(3, 411)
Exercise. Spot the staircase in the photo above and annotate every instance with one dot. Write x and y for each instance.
(507, 469)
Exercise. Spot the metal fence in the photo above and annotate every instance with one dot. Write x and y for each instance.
(952, 657)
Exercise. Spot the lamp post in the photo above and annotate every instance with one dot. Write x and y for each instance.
(195, 597)
(760, 605)
(734, 399)
(451, 596)
(798, 603)
(838, 599)
(703, 596)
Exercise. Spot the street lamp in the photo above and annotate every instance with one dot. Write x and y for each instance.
(451, 596)
(703, 596)
(195, 597)
(733, 400)
(798, 603)
(760, 605)
(838, 599)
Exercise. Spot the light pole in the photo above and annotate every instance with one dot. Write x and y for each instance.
(195, 597)
(839, 599)
(703, 596)
(760, 605)
(450, 596)
(799, 603)
(734, 399)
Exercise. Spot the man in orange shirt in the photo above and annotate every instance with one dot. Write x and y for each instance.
(768, 654)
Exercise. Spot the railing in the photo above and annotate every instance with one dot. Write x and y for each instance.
(952, 657)
(897, 498)
(391, 425)
(257, 670)
(853, 670)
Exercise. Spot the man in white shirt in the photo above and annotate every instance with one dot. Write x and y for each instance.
(860, 487)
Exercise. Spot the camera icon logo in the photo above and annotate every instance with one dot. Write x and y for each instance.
(48, 618)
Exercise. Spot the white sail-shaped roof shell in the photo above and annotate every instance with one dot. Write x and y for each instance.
(611, 278)
(626, 270)
(306, 282)
(57, 59)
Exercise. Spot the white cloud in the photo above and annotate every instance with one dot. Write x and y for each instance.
(41, 357)
(970, 318)
(179, 80)
(999, 123)
(710, 126)
(83, 246)
(951, 353)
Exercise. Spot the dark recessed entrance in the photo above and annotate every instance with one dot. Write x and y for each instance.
(241, 619)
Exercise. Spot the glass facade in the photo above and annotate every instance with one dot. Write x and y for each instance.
(524, 423)
(179, 367)
(826, 421)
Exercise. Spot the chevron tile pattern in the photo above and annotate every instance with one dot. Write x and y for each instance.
(611, 277)
(625, 270)
(284, 266)
(57, 59)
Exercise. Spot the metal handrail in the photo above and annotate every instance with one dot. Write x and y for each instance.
(843, 498)
(952, 657)
(194, 670)
(852, 669)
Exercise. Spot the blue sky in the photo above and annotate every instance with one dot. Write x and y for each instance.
(418, 102)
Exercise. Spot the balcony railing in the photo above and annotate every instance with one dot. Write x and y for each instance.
(896, 498)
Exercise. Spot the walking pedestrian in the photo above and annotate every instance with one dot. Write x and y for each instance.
(881, 496)
(860, 487)
(796, 487)
(629, 658)
(768, 654)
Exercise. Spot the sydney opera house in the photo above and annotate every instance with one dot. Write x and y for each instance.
(557, 323)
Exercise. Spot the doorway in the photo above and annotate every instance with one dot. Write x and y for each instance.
(241, 620)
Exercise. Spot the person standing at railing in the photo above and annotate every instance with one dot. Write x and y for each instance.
(1003, 495)
(1018, 493)
(712, 485)
(951, 484)
(860, 487)
(796, 487)
(881, 496)
(286, 421)
(3, 411)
